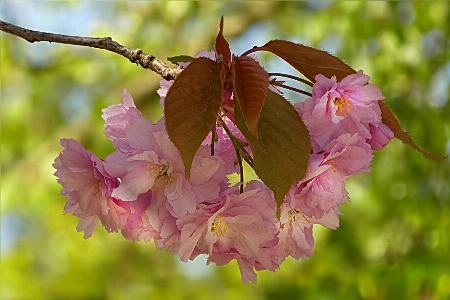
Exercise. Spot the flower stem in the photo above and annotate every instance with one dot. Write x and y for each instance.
(247, 157)
(213, 139)
(293, 77)
(295, 90)
(241, 168)
(241, 153)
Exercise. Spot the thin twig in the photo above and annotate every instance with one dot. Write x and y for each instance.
(236, 145)
(247, 157)
(295, 90)
(241, 167)
(293, 77)
(238, 156)
(147, 61)
(213, 139)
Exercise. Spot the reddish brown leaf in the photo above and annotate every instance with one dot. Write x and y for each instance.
(309, 61)
(250, 86)
(282, 150)
(191, 107)
(222, 46)
(391, 121)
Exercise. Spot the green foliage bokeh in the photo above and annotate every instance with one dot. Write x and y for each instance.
(393, 241)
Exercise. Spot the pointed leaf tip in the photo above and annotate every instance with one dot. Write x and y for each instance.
(191, 107)
(250, 86)
(222, 47)
(391, 121)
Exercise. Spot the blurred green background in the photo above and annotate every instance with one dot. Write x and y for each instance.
(393, 241)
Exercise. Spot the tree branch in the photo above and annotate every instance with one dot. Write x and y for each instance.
(134, 55)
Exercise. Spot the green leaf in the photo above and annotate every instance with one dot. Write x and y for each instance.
(250, 86)
(191, 107)
(282, 149)
(309, 61)
(180, 58)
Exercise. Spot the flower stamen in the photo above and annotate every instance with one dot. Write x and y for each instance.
(219, 227)
(333, 165)
(296, 215)
(97, 188)
(342, 106)
(162, 171)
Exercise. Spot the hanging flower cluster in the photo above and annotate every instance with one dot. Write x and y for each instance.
(168, 182)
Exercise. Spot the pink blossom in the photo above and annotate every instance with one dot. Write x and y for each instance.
(85, 183)
(239, 226)
(164, 222)
(158, 165)
(335, 107)
(244, 223)
(117, 117)
(193, 227)
(348, 155)
(137, 226)
(142, 191)
(245, 229)
(322, 189)
(381, 135)
(136, 136)
(295, 235)
(89, 189)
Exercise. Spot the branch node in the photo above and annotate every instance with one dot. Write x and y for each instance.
(135, 54)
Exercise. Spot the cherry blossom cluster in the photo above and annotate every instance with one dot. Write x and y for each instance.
(141, 189)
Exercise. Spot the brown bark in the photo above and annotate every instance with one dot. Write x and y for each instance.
(147, 61)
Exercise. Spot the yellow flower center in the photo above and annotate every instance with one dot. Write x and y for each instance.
(333, 165)
(219, 227)
(296, 215)
(162, 171)
(342, 106)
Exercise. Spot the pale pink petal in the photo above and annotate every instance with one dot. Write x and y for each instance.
(357, 79)
(133, 184)
(247, 272)
(138, 134)
(118, 116)
(166, 146)
(186, 203)
(204, 168)
(87, 224)
(173, 190)
(381, 135)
